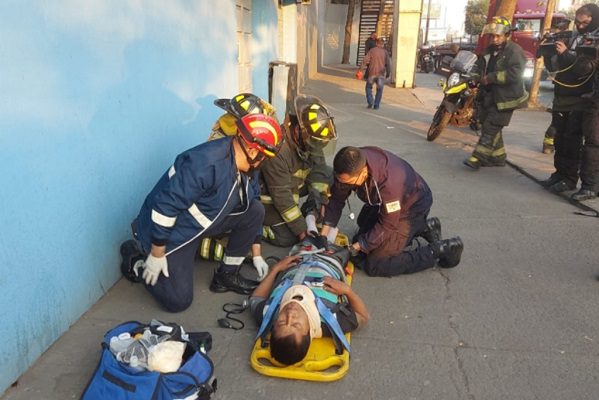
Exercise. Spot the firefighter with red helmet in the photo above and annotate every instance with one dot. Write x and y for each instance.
(240, 105)
(237, 107)
(210, 189)
(298, 171)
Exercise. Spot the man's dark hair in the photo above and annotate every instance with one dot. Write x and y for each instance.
(287, 350)
(349, 160)
(591, 10)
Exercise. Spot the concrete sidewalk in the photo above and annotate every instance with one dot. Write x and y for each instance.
(509, 322)
(523, 138)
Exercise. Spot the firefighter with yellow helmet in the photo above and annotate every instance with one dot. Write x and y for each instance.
(298, 171)
(502, 91)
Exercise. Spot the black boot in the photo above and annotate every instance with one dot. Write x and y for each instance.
(433, 230)
(552, 180)
(583, 194)
(132, 260)
(223, 281)
(448, 252)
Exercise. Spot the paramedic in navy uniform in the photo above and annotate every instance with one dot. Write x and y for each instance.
(397, 202)
(210, 189)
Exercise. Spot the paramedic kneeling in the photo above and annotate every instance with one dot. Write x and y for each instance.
(210, 189)
(306, 310)
(398, 201)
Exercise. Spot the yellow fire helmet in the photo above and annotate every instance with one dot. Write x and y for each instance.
(498, 26)
(244, 104)
(315, 121)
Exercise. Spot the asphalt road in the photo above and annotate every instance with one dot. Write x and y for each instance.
(517, 319)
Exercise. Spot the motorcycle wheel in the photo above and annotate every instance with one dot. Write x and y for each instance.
(440, 121)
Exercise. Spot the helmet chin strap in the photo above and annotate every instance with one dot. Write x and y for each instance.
(251, 161)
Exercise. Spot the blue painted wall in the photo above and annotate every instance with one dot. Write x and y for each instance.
(96, 100)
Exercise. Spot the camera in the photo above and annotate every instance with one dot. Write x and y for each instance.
(547, 47)
(589, 47)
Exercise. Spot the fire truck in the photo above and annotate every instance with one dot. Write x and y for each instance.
(528, 21)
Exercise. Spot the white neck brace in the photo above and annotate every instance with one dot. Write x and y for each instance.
(307, 303)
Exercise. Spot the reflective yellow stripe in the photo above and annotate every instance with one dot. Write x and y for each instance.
(548, 141)
(301, 173)
(489, 152)
(163, 220)
(501, 77)
(508, 105)
(321, 187)
(218, 251)
(205, 249)
(266, 199)
(267, 232)
(291, 214)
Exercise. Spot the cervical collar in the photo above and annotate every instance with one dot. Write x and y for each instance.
(307, 303)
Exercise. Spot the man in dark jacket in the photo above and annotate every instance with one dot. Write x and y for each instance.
(502, 91)
(298, 171)
(573, 86)
(210, 189)
(397, 202)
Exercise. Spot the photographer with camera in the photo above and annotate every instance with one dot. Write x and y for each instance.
(573, 85)
(588, 55)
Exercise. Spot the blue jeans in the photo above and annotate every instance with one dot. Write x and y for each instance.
(380, 85)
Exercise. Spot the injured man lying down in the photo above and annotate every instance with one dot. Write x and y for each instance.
(306, 296)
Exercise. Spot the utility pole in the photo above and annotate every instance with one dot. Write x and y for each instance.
(428, 19)
(506, 8)
(536, 77)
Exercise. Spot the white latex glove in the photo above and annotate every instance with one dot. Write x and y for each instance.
(153, 267)
(332, 235)
(311, 223)
(261, 266)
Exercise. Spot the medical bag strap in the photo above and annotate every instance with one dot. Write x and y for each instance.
(272, 308)
(333, 324)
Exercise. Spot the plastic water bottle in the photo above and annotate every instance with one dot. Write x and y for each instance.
(120, 343)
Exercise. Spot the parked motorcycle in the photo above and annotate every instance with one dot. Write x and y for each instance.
(460, 89)
(426, 59)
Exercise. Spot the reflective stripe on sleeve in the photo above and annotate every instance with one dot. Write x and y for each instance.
(233, 260)
(321, 187)
(171, 172)
(163, 220)
(291, 214)
(198, 216)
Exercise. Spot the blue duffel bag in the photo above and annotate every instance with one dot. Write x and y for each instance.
(116, 380)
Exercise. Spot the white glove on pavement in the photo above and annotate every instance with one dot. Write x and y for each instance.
(153, 267)
(261, 266)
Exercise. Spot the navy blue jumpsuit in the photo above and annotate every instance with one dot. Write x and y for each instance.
(397, 202)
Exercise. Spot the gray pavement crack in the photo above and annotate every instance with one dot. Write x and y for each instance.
(456, 349)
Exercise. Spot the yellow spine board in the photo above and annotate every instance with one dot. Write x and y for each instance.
(320, 364)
